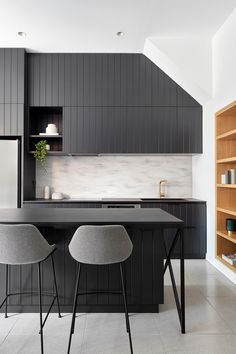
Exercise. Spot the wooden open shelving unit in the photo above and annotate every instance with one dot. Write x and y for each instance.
(225, 124)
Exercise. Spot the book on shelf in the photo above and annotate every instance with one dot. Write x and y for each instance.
(230, 258)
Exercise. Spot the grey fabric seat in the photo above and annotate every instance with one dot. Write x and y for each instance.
(24, 244)
(100, 245)
(106, 244)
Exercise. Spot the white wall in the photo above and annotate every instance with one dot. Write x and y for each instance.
(170, 63)
(192, 55)
(224, 92)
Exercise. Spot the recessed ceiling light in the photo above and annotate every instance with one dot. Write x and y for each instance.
(120, 34)
(22, 34)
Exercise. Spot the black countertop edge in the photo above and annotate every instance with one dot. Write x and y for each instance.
(113, 201)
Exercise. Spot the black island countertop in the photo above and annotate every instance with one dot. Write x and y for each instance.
(114, 200)
(71, 216)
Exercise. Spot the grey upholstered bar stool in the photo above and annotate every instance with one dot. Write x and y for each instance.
(100, 245)
(24, 244)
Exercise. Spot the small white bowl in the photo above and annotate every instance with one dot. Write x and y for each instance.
(57, 195)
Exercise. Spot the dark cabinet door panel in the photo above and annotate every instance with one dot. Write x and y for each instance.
(120, 129)
(12, 75)
(194, 217)
(99, 80)
(11, 119)
(189, 132)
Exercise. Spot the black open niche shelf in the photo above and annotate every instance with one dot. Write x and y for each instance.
(39, 118)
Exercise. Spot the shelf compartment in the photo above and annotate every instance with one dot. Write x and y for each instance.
(219, 258)
(226, 119)
(225, 235)
(55, 144)
(39, 118)
(225, 246)
(226, 198)
(221, 168)
(225, 149)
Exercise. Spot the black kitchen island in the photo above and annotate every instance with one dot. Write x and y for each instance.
(144, 270)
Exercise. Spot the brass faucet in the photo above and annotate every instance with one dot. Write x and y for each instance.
(161, 193)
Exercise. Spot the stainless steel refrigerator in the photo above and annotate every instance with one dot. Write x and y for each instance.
(10, 173)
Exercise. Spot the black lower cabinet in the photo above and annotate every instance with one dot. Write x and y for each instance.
(194, 217)
(143, 275)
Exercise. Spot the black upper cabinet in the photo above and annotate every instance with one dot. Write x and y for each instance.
(12, 91)
(132, 130)
(98, 80)
(115, 103)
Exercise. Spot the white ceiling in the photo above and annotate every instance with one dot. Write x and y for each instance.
(91, 25)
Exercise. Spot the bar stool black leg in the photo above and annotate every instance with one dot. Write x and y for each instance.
(126, 309)
(55, 284)
(7, 268)
(182, 281)
(74, 308)
(40, 307)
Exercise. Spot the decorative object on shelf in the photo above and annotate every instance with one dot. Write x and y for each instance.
(57, 196)
(47, 147)
(46, 192)
(231, 226)
(51, 129)
(232, 175)
(223, 179)
(230, 258)
(41, 152)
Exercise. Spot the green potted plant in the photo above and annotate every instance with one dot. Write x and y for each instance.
(40, 153)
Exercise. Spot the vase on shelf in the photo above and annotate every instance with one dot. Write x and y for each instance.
(51, 129)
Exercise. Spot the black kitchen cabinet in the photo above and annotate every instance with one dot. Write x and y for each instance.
(98, 80)
(115, 103)
(194, 216)
(12, 91)
(98, 130)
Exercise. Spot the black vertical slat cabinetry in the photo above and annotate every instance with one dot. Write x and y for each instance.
(194, 217)
(12, 91)
(115, 103)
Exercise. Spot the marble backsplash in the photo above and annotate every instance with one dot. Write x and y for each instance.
(116, 176)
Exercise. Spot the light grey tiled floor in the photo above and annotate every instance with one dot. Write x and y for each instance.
(210, 324)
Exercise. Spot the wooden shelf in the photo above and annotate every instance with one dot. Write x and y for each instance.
(227, 211)
(230, 135)
(225, 124)
(227, 160)
(226, 185)
(225, 235)
(219, 258)
(46, 136)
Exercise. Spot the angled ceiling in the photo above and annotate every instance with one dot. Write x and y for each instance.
(91, 25)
